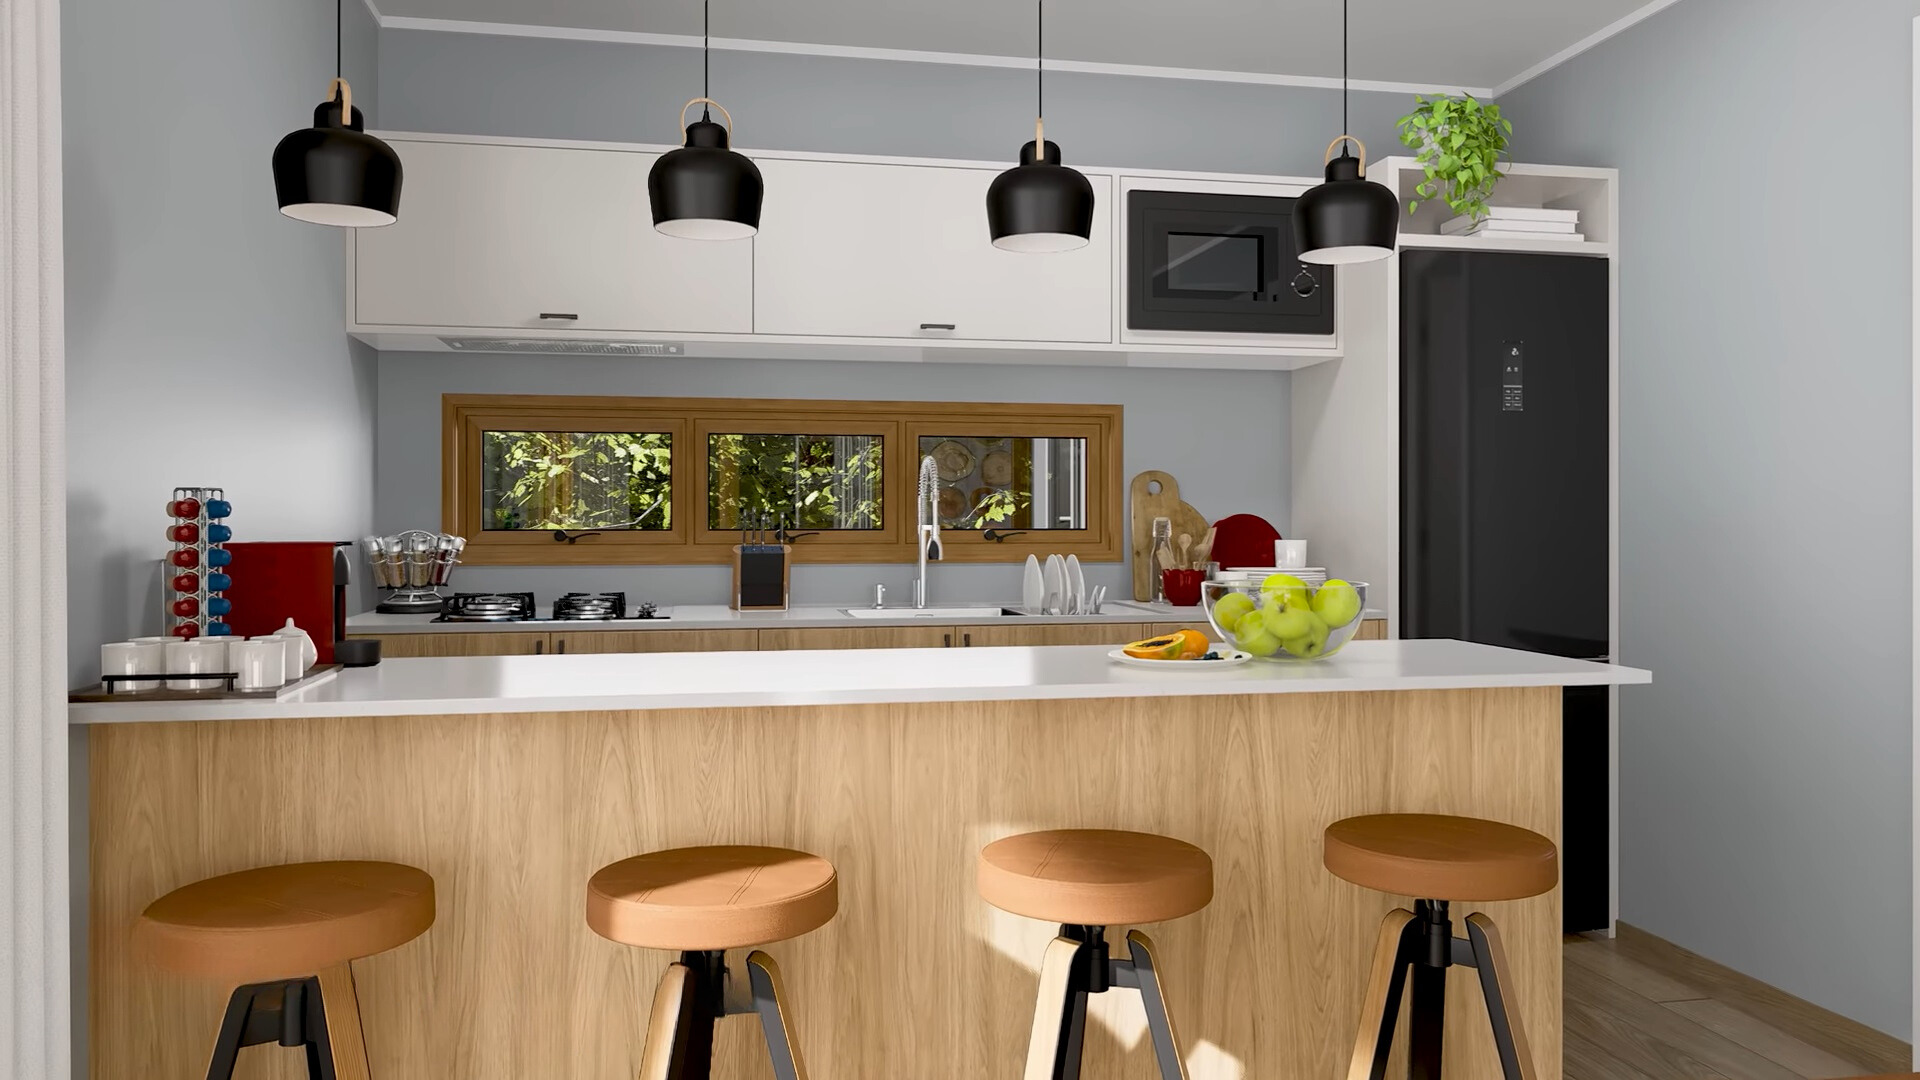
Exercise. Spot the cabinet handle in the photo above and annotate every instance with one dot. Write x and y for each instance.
(938, 326)
(562, 316)
(539, 647)
(560, 646)
(946, 641)
(966, 641)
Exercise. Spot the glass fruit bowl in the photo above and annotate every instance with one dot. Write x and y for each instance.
(1283, 618)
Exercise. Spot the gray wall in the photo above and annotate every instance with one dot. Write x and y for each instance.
(475, 84)
(531, 87)
(1766, 794)
(1224, 435)
(203, 329)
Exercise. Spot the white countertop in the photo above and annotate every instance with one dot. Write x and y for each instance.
(640, 681)
(721, 617)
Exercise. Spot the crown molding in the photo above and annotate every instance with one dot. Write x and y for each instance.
(1612, 29)
(911, 56)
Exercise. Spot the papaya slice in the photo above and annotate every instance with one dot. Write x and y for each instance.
(1179, 645)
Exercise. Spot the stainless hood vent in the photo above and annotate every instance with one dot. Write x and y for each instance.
(562, 346)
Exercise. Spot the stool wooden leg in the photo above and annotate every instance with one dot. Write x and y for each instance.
(673, 1001)
(1516, 1059)
(346, 1042)
(768, 995)
(1059, 1015)
(1381, 1008)
(1166, 1047)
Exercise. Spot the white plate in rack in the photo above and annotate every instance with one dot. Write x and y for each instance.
(1231, 658)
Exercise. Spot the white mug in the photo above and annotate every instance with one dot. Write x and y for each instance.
(195, 656)
(296, 651)
(1289, 554)
(134, 658)
(260, 663)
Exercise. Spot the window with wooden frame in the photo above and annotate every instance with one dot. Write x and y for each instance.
(611, 481)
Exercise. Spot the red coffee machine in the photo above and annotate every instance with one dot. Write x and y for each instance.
(305, 581)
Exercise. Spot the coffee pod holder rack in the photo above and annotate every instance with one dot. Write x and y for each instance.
(198, 564)
(412, 566)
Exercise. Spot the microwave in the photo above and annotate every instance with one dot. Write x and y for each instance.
(1221, 264)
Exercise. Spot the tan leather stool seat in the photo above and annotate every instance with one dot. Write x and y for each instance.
(1435, 857)
(711, 898)
(1095, 877)
(285, 922)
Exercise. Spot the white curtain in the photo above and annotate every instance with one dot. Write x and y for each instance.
(34, 977)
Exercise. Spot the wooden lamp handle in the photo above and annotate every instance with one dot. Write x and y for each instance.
(707, 101)
(339, 91)
(1327, 158)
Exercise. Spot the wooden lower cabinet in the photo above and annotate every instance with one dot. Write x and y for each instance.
(860, 637)
(1055, 634)
(402, 646)
(654, 641)
(1372, 630)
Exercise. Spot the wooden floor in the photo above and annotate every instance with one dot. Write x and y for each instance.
(1640, 1008)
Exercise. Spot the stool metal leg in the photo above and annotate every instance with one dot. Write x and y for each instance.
(1490, 956)
(1427, 1023)
(1146, 975)
(1059, 1015)
(233, 1027)
(1381, 1009)
(768, 996)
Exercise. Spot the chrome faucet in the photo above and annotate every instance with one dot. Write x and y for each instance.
(928, 512)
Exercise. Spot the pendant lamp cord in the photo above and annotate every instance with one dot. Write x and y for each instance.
(339, 52)
(1040, 58)
(1346, 48)
(706, 57)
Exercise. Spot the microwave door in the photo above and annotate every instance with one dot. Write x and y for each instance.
(1219, 267)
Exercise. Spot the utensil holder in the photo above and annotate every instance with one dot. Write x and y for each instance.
(1182, 587)
(762, 577)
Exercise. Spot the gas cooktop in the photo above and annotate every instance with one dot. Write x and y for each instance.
(519, 607)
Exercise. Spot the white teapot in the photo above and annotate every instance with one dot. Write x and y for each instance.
(309, 653)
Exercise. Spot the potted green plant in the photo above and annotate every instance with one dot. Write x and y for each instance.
(1459, 141)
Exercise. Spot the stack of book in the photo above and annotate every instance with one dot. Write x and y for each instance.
(1519, 223)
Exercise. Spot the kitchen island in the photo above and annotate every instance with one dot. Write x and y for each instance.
(511, 779)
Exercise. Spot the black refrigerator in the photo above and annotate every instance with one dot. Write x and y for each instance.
(1504, 509)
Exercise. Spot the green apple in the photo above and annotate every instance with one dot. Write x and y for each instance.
(1287, 589)
(1310, 644)
(1337, 602)
(1251, 634)
(1228, 610)
(1286, 621)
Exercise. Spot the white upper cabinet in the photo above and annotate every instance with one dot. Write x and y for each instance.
(859, 250)
(518, 237)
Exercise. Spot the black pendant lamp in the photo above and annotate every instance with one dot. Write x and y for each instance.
(1040, 205)
(704, 190)
(334, 173)
(1348, 218)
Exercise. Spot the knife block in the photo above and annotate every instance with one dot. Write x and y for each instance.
(762, 577)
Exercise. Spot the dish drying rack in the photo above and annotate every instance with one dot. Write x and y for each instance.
(412, 566)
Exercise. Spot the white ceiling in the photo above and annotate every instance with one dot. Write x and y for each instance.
(1466, 43)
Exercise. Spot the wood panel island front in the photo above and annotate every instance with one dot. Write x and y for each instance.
(510, 780)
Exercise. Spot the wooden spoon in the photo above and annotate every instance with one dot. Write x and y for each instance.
(1186, 543)
(1202, 554)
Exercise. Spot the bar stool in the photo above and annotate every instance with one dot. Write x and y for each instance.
(1087, 880)
(1437, 860)
(700, 902)
(286, 935)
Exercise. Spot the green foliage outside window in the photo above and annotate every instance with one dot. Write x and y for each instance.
(543, 480)
(805, 482)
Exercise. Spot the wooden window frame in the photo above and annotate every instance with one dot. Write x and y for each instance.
(899, 424)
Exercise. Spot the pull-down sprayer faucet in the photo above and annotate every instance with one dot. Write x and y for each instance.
(928, 512)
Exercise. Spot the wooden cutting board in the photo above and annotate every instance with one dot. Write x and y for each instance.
(1154, 494)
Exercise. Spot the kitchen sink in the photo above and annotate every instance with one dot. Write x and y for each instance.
(930, 613)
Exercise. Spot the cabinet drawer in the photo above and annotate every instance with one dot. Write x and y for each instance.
(861, 637)
(655, 641)
(1062, 634)
(403, 646)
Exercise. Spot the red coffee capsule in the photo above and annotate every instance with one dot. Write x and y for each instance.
(186, 508)
(186, 630)
(186, 583)
(187, 607)
(184, 534)
(186, 558)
